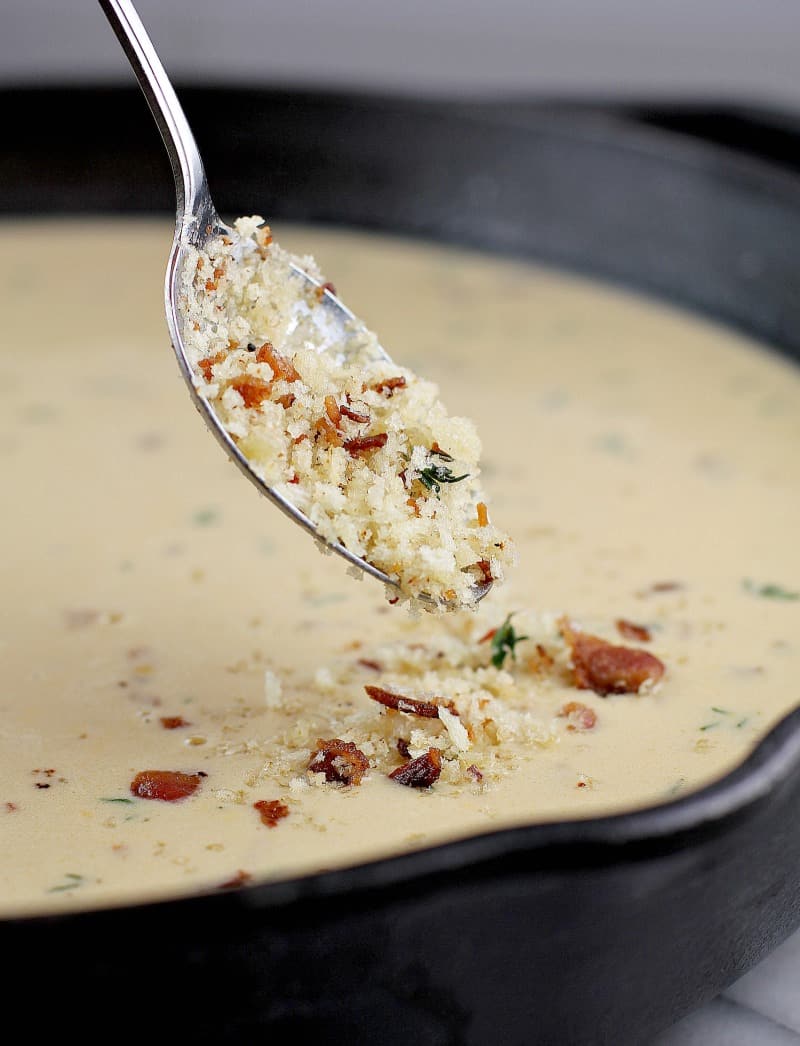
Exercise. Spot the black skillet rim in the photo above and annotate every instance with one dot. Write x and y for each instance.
(631, 836)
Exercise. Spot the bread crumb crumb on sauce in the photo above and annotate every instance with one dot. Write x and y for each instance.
(363, 447)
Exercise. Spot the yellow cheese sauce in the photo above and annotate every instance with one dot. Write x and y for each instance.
(644, 461)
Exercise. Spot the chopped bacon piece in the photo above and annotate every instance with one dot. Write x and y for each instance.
(488, 635)
(354, 415)
(483, 515)
(240, 879)
(271, 811)
(286, 401)
(374, 666)
(167, 785)
(172, 722)
(402, 748)
(388, 385)
(332, 410)
(339, 761)
(365, 444)
(474, 772)
(211, 285)
(630, 630)
(411, 705)
(320, 291)
(263, 236)
(324, 429)
(606, 668)
(486, 571)
(421, 772)
(540, 661)
(209, 362)
(413, 504)
(252, 390)
(295, 478)
(661, 586)
(281, 366)
(579, 716)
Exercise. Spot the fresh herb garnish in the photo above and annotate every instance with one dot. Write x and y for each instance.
(709, 726)
(205, 517)
(504, 642)
(433, 476)
(103, 799)
(73, 882)
(721, 711)
(769, 591)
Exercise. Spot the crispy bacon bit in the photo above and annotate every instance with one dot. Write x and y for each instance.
(295, 478)
(661, 586)
(483, 515)
(487, 636)
(332, 410)
(167, 785)
(281, 366)
(240, 879)
(580, 716)
(629, 630)
(271, 811)
(402, 748)
(365, 444)
(388, 385)
(421, 772)
(209, 362)
(300, 438)
(219, 272)
(252, 390)
(410, 705)
(286, 401)
(320, 291)
(172, 722)
(413, 504)
(541, 660)
(324, 429)
(608, 669)
(263, 236)
(486, 571)
(211, 285)
(339, 760)
(474, 772)
(373, 666)
(354, 415)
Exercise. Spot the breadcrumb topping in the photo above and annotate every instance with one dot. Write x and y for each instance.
(363, 447)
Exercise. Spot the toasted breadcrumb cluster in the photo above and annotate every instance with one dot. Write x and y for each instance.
(363, 447)
(457, 708)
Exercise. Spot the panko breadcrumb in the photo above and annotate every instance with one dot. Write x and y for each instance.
(363, 447)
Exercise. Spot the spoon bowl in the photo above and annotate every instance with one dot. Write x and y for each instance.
(197, 224)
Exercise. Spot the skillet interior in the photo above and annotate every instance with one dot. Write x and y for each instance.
(594, 931)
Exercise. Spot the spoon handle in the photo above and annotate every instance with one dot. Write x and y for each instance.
(191, 186)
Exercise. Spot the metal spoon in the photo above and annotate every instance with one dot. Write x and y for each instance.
(197, 222)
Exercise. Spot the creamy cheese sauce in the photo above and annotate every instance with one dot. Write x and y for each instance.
(626, 445)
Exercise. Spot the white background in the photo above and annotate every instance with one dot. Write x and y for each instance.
(746, 50)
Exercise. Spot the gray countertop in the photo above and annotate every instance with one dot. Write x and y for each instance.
(761, 1009)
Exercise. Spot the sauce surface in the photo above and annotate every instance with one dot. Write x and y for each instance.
(644, 461)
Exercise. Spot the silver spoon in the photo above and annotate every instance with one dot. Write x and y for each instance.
(196, 224)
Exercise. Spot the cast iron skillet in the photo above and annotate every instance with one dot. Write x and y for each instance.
(589, 932)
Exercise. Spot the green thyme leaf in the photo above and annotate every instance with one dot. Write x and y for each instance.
(103, 799)
(504, 642)
(205, 517)
(433, 476)
(72, 882)
(769, 591)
